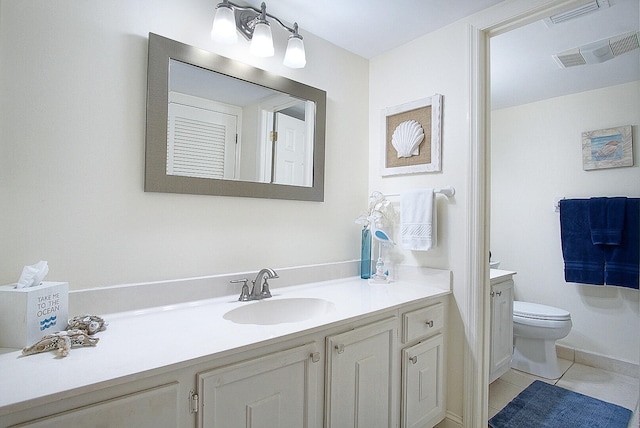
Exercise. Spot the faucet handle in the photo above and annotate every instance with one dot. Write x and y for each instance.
(265, 289)
(244, 294)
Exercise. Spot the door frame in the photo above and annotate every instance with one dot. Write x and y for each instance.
(497, 20)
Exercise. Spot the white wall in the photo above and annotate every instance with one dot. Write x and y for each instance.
(407, 74)
(72, 128)
(536, 155)
(441, 62)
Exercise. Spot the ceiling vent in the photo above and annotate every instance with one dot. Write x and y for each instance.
(600, 51)
(582, 10)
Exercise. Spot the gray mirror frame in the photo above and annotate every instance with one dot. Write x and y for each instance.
(161, 50)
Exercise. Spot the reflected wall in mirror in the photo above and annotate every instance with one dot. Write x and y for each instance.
(220, 127)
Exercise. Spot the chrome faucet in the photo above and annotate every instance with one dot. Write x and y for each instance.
(258, 292)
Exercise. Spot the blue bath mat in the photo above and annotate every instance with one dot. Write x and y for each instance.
(543, 405)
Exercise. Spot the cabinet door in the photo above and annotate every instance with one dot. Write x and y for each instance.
(278, 390)
(359, 376)
(151, 408)
(423, 383)
(501, 329)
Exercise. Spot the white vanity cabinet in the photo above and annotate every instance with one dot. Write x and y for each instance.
(359, 376)
(501, 296)
(376, 360)
(422, 365)
(276, 390)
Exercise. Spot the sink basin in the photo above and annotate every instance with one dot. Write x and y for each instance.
(279, 311)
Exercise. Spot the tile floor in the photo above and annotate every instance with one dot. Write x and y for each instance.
(604, 385)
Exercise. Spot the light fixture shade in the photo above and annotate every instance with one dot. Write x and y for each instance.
(295, 56)
(224, 25)
(262, 42)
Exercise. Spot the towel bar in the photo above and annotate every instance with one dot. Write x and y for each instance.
(448, 191)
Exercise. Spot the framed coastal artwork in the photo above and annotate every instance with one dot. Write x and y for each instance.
(607, 148)
(412, 134)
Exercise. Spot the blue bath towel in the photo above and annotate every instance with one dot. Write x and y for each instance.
(606, 219)
(583, 261)
(622, 262)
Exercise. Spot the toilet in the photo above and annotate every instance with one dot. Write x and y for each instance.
(535, 331)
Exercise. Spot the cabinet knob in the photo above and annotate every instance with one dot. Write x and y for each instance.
(414, 359)
(340, 348)
(430, 323)
(499, 293)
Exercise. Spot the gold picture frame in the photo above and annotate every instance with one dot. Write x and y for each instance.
(412, 137)
(607, 148)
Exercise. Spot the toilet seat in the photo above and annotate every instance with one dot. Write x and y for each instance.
(536, 311)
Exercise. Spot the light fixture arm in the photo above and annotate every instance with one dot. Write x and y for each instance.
(247, 17)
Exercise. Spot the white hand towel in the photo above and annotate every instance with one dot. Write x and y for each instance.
(418, 219)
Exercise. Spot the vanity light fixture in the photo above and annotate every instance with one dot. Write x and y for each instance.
(224, 25)
(254, 26)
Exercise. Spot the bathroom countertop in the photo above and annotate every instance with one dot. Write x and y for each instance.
(499, 273)
(165, 338)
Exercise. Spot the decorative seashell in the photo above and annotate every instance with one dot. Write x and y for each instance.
(61, 342)
(608, 149)
(89, 323)
(406, 138)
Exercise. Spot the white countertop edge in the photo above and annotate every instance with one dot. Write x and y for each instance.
(498, 273)
(129, 349)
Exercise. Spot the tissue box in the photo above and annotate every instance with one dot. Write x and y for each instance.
(28, 314)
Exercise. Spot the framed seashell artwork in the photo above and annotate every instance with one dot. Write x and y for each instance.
(607, 148)
(412, 134)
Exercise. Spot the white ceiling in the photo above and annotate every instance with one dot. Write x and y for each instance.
(522, 68)
(370, 27)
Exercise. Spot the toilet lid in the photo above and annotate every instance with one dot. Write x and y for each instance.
(539, 312)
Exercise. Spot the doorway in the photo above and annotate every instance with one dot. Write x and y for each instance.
(494, 219)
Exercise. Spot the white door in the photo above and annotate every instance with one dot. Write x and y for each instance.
(155, 407)
(359, 377)
(201, 142)
(290, 152)
(274, 391)
(501, 329)
(423, 383)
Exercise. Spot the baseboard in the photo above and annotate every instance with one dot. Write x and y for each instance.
(598, 361)
(450, 421)
(635, 417)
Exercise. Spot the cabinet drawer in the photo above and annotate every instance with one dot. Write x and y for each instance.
(422, 322)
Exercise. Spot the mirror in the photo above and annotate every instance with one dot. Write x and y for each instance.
(216, 126)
